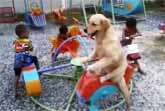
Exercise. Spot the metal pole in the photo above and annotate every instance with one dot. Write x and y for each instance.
(51, 7)
(70, 99)
(28, 7)
(84, 12)
(113, 13)
(26, 13)
(54, 68)
(145, 14)
(13, 7)
(41, 2)
(25, 6)
(70, 3)
(95, 6)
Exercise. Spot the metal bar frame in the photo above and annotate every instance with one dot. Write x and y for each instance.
(113, 13)
(42, 7)
(13, 7)
(144, 8)
(84, 12)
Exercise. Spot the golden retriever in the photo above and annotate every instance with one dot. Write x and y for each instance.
(112, 63)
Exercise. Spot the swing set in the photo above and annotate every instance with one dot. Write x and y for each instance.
(119, 9)
(34, 13)
(7, 12)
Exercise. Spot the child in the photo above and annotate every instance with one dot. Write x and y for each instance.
(22, 46)
(129, 33)
(71, 46)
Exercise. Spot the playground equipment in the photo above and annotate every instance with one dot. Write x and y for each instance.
(65, 43)
(34, 15)
(59, 14)
(32, 81)
(78, 71)
(123, 7)
(116, 8)
(7, 12)
(94, 4)
(72, 45)
(67, 9)
(88, 86)
(63, 13)
(89, 89)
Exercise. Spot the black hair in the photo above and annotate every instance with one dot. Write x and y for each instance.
(63, 29)
(20, 29)
(131, 22)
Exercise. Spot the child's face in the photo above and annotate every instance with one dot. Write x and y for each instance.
(130, 27)
(25, 34)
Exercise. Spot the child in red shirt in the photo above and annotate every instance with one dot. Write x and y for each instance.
(71, 46)
(129, 33)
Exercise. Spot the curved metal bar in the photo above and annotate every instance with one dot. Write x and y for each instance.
(121, 102)
(42, 7)
(54, 68)
(83, 44)
(67, 108)
(57, 51)
(51, 109)
(43, 106)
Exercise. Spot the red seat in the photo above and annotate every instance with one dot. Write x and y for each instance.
(89, 84)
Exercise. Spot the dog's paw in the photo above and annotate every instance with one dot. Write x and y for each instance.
(84, 60)
(90, 69)
(89, 73)
(103, 79)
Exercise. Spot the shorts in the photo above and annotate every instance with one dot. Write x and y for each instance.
(18, 68)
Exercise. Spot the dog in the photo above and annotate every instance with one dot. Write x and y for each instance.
(112, 63)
